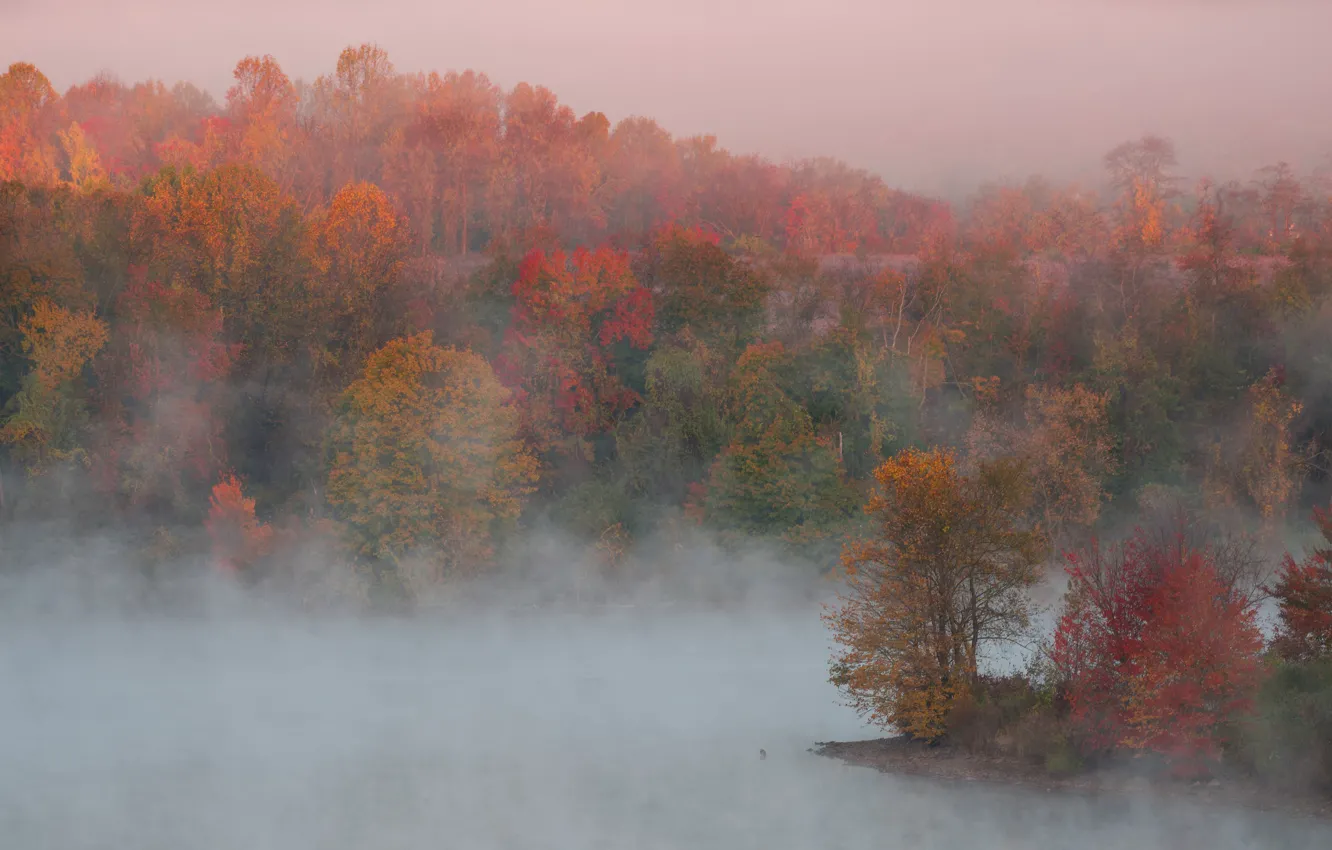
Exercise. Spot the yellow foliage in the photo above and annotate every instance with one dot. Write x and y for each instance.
(84, 163)
(943, 575)
(424, 456)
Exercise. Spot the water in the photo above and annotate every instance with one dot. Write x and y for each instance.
(629, 730)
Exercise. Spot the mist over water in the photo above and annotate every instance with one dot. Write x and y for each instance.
(633, 726)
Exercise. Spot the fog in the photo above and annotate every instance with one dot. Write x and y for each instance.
(241, 724)
(935, 96)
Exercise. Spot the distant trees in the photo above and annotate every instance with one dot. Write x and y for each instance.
(944, 576)
(190, 291)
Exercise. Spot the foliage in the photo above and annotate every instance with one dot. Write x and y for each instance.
(1158, 651)
(1303, 593)
(1064, 439)
(569, 312)
(160, 388)
(699, 286)
(424, 458)
(1288, 740)
(239, 538)
(944, 577)
(775, 476)
(49, 410)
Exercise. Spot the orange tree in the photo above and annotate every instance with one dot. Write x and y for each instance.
(944, 575)
(424, 458)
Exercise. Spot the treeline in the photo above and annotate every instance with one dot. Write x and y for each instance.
(1156, 655)
(415, 314)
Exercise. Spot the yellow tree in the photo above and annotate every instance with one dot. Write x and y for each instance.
(83, 163)
(424, 459)
(46, 427)
(944, 576)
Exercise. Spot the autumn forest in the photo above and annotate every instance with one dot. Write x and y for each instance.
(410, 319)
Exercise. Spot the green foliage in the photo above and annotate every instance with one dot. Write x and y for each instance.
(776, 477)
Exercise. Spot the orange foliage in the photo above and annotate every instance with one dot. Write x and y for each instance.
(239, 538)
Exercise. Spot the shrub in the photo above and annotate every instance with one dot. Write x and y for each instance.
(1288, 741)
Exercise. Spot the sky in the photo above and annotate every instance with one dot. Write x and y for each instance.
(932, 94)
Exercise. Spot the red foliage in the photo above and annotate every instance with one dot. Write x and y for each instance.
(1304, 597)
(1157, 652)
(158, 383)
(1198, 666)
(568, 311)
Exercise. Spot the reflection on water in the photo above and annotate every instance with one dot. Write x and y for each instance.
(631, 730)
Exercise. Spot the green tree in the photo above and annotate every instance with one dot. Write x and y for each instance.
(776, 477)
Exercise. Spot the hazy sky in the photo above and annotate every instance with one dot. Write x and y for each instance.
(930, 93)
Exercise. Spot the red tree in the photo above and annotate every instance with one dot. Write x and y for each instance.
(1158, 652)
(1304, 596)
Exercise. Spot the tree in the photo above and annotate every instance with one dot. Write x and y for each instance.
(355, 108)
(47, 425)
(1257, 463)
(1157, 649)
(424, 458)
(643, 171)
(262, 106)
(1303, 593)
(447, 151)
(699, 286)
(944, 577)
(776, 477)
(1067, 446)
(569, 314)
(1198, 669)
(239, 538)
(1141, 172)
(357, 248)
(28, 117)
(83, 164)
(233, 235)
(547, 175)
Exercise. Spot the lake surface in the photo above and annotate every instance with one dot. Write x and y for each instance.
(630, 729)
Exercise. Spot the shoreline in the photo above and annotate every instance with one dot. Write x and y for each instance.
(947, 763)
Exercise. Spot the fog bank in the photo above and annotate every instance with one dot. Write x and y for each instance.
(633, 727)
